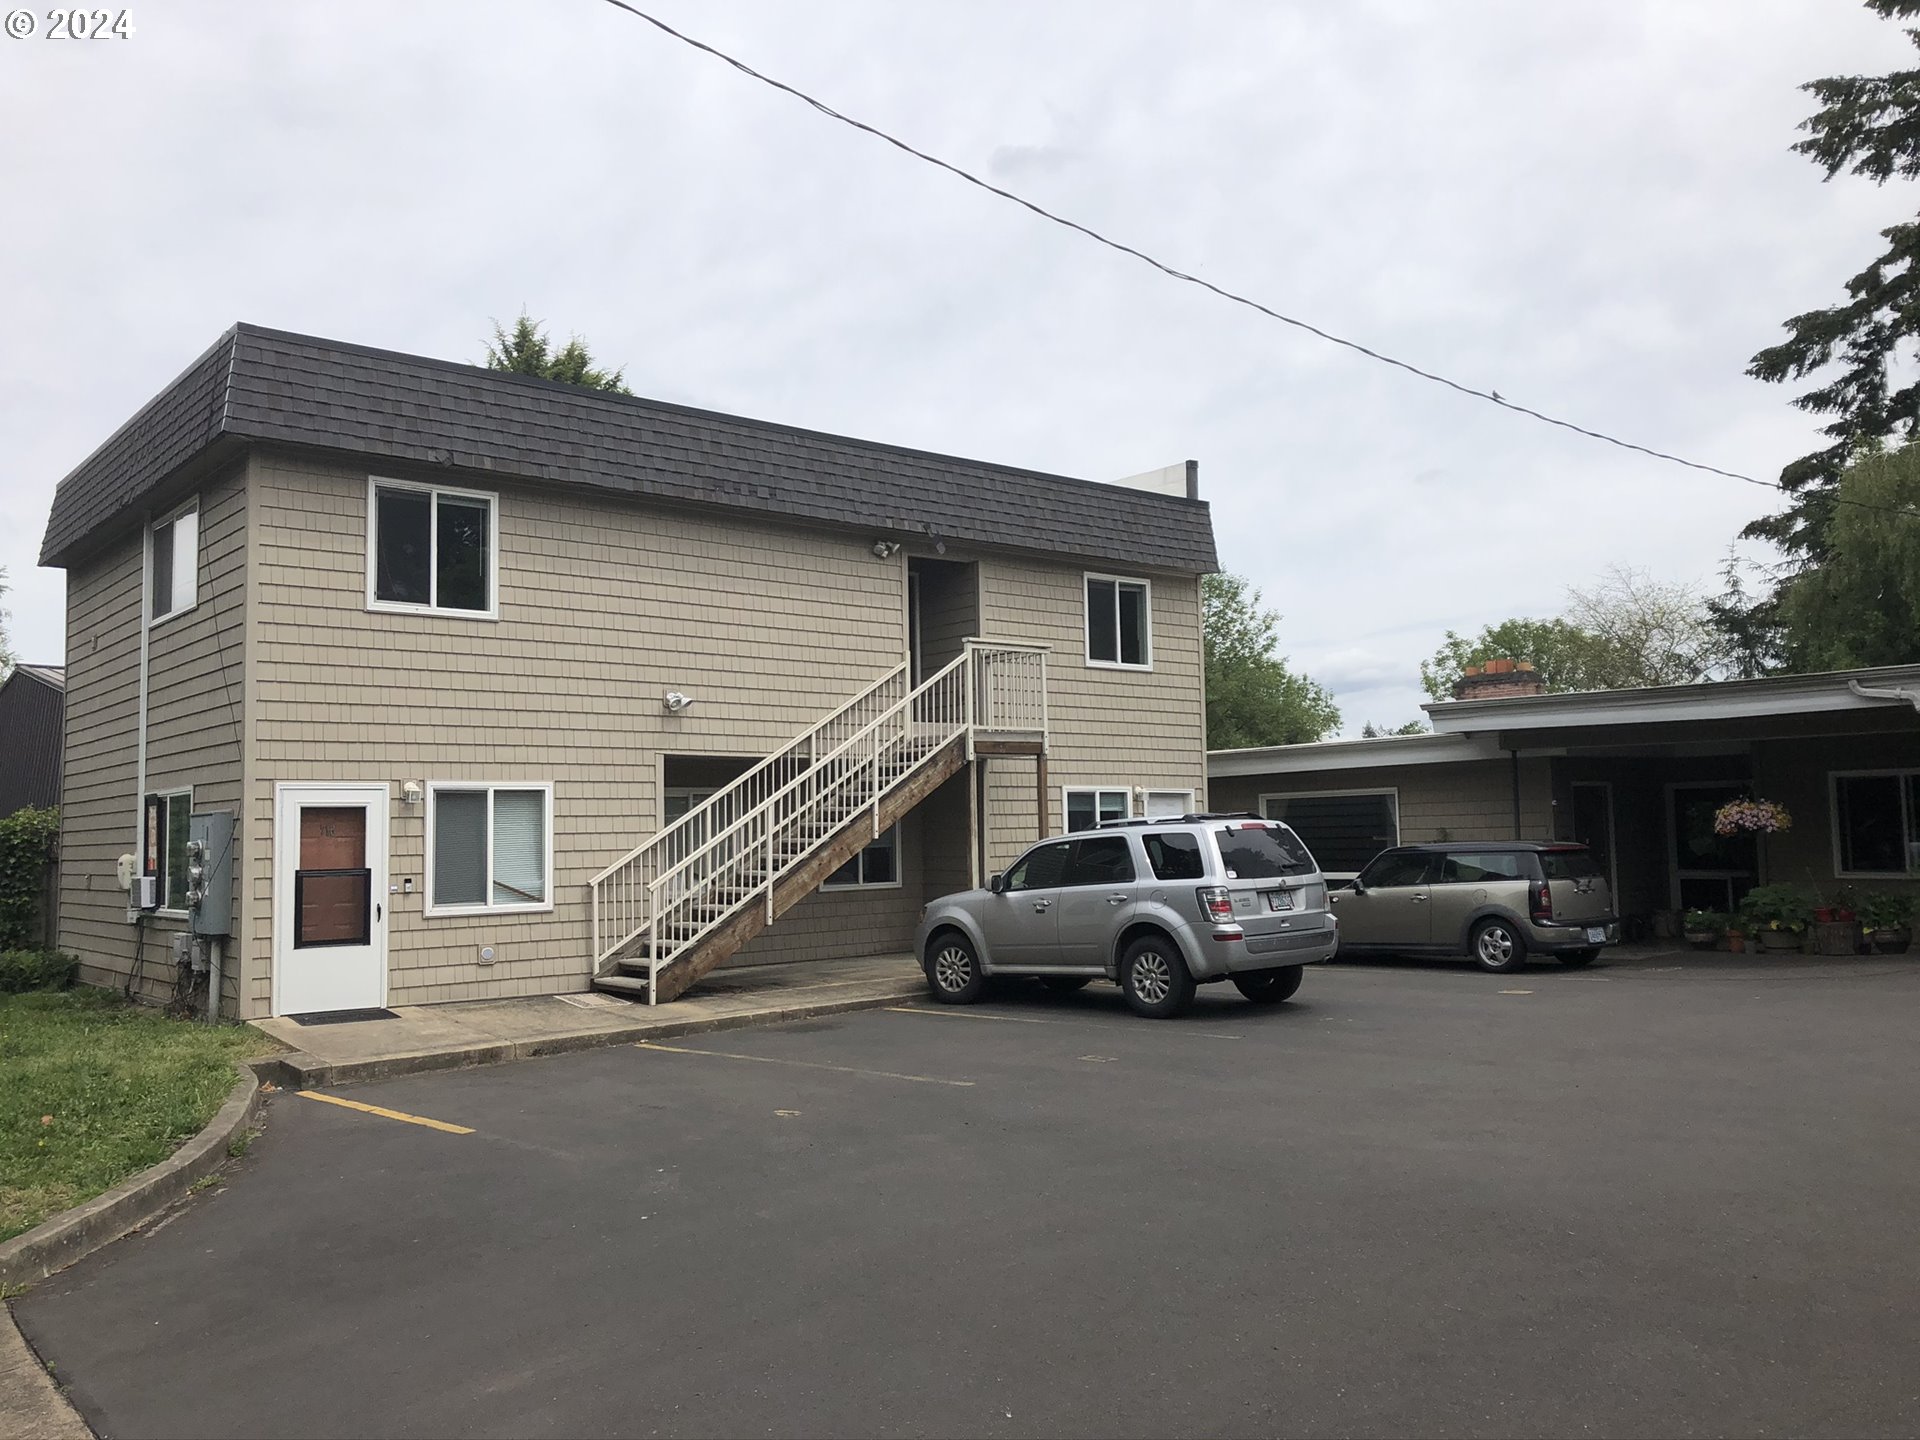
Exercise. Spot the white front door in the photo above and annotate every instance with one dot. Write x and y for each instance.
(329, 898)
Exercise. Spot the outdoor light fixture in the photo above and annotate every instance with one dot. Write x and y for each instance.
(886, 549)
(676, 702)
(939, 545)
(410, 792)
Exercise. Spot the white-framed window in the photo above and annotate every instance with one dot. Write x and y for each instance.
(1087, 806)
(677, 800)
(173, 564)
(1343, 828)
(875, 868)
(1876, 823)
(163, 846)
(432, 549)
(1168, 804)
(489, 847)
(1119, 622)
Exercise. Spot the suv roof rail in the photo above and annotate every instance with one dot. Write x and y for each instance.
(1192, 818)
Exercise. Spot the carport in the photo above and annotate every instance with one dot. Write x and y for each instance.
(1636, 774)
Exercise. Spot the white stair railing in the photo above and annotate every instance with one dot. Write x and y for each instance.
(620, 891)
(668, 902)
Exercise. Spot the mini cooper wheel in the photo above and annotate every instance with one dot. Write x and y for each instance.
(1269, 987)
(1497, 946)
(1155, 979)
(953, 970)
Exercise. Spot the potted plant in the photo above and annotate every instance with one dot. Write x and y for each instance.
(1703, 928)
(1778, 915)
(1888, 918)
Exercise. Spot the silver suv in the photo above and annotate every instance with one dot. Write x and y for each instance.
(1157, 905)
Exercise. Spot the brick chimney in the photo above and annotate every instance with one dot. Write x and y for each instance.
(1498, 679)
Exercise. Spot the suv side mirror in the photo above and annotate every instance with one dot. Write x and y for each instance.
(997, 883)
(1356, 886)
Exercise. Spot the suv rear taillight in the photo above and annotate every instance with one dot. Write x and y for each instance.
(1540, 902)
(1215, 903)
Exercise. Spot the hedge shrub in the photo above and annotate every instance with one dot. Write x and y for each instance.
(27, 841)
(24, 970)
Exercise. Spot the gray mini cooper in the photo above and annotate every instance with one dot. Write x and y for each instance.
(1159, 906)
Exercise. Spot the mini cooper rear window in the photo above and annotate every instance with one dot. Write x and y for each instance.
(1570, 864)
(1261, 851)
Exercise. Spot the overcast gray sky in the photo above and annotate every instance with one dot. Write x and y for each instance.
(1587, 204)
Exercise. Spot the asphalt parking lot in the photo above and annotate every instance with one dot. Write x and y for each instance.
(1419, 1200)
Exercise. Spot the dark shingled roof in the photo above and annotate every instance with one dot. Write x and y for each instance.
(267, 385)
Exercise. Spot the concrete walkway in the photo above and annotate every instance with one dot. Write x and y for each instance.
(484, 1032)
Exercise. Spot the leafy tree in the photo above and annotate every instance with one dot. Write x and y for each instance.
(1869, 125)
(526, 351)
(1252, 697)
(1567, 657)
(1625, 630)
(1370, 731)
(1652, 632)
(1862, 605)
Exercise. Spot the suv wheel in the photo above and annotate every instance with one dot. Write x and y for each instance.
(1498, 947)
(1269, 987)
(1154, 978)
(953, 970)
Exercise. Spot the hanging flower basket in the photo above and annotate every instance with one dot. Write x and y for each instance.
(1751, 817)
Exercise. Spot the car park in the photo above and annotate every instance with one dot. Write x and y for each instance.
(1496, 901)
(1158, 906)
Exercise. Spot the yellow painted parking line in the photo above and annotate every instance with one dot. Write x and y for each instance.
(1516, 992)
(384, 1113)
(800, 1064)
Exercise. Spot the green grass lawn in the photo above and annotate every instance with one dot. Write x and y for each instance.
(93, 1090)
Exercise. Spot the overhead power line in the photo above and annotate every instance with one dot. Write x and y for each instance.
(1493, 397)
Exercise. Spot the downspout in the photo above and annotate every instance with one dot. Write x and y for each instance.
(1514, 755)
(1869, 692)
(140, 731)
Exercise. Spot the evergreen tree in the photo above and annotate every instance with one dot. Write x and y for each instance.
(525, 351)
(1870, 126)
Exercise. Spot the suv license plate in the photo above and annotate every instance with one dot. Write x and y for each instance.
(1596, 934)
(1279, 900)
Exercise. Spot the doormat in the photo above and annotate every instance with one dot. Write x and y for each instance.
(342, 1017)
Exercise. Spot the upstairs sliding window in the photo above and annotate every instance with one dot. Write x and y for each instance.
(430, 548)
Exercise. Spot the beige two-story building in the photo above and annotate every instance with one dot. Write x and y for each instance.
(479, 686)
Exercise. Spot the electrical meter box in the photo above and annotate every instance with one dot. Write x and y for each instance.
(210, 873)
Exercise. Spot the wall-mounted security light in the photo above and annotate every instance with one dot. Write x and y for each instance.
(411, 793)
(676, 702)
(939, 545)
(885, 549)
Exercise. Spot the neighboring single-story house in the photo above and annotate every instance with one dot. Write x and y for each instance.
(32, 700)
(1636, 774)
(476, 685)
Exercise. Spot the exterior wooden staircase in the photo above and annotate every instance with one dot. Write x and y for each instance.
(681, 903)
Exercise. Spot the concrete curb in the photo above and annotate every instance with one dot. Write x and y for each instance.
(57, 1243)
(31, 1405)
(299, 1071)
